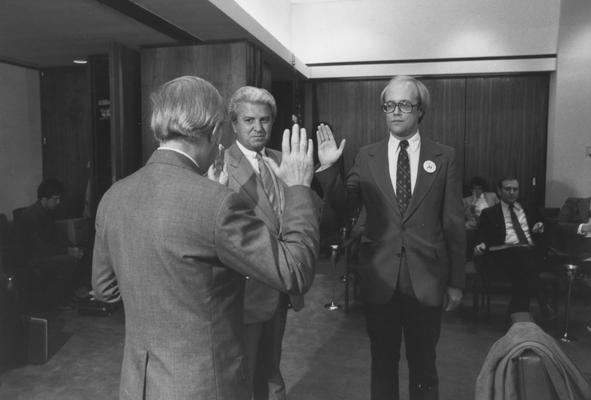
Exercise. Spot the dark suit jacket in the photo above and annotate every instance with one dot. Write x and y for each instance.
(574, 211)
(492, 224)
(177, 247)
(260, 300)
(431, 232)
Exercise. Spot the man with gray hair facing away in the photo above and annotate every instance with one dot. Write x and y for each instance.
(176, 247)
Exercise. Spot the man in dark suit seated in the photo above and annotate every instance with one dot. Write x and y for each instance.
(48, 254)
(512, 237)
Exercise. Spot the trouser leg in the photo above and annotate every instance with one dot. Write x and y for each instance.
(422, 328)
(268, 381)
(384, 328)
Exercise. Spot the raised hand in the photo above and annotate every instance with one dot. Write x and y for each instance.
(328, 152)
(218, 171)
(297, 161)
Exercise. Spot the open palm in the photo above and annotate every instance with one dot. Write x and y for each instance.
(328, 151)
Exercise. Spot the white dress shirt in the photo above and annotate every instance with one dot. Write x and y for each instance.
(413, 150)
(251, 156)
(510, 235)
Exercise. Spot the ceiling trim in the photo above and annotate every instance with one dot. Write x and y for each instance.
(140, 14)
(433, 60)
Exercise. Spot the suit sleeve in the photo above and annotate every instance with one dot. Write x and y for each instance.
(286, 262)
(104, 281)
(566, 225)
(344, 197)
(453, 225)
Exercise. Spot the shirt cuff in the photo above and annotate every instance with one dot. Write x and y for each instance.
(580, 230)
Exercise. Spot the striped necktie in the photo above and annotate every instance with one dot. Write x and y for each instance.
(269, 185)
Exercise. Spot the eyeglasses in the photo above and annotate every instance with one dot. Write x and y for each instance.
(404, 106)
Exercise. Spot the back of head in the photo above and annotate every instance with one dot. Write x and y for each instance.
(50, 187)
(185, 107)
(251, 94)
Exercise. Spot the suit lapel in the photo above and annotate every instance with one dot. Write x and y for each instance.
(378, 163)
(424, 179)
(244, 180)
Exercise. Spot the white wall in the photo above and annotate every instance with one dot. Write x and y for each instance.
(275, 15)
(374, 30)
(382, 30)
(20, 137)
(569, 125)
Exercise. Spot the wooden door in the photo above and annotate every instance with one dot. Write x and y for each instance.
(66, 130)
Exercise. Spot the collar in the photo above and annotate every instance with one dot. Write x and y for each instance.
(180, 152)
(414, 142)
(250, 153)
(516, 206)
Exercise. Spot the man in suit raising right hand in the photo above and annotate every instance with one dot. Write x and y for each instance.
(176, 247)
(414, 240)
(252, 112)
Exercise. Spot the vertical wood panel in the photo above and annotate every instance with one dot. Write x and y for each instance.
(227, 66)
(66, 128)
(126, 131)
(445, 120)
(352, 108)
(506, 130)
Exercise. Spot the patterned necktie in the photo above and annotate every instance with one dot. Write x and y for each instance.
(268, 184)
(403, 192)
(517, 226)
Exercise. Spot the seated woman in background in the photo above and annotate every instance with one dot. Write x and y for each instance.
(477, 201)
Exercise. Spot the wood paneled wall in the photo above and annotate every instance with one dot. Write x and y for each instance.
(66, 126)
(126, 146)
(227, 66)
(498, 125)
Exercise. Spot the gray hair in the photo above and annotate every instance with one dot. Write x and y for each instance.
(250, 94)
(185, 107)
(424, 95)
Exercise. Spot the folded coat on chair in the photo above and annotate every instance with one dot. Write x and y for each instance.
(498, 377)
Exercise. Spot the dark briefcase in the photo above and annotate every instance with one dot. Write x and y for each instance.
(94, 307)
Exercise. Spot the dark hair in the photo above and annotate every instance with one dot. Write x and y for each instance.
(506, 178)
(50, 187)
(479, 181)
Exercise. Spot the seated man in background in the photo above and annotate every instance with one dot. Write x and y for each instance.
(477, 201)
(512, 236)
(574, 226)
(48, 254)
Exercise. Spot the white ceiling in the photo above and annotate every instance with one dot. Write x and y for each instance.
(50, 33)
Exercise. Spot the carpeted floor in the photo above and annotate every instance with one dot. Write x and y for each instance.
(326, 353)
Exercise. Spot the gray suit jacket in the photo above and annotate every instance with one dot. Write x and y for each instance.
(177, 247)
(431, 232)
(260, 300)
